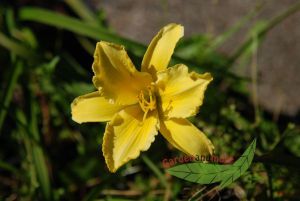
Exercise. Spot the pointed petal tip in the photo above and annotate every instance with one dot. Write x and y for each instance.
(161, 48)
(109, 44)
(184, 136)
(173, 26)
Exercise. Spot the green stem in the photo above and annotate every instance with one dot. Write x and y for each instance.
(270, 182)
(254, 79)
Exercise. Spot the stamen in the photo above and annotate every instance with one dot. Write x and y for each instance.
(147, 101)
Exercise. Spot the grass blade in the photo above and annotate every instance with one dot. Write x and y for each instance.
(262, 32)
(156, 171)
(38, 156)
(79, 27)
(15, 47)
(82, 11)
(218, 41)
(25, 135)
(8, 167)
(8, 93)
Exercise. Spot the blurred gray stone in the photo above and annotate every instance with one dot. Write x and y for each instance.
(278, 58)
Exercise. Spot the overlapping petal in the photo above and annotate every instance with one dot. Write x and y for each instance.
(181, 92)
(186, 137)
(128, 134)
(161, 48)
(116, 75)
(93, 107)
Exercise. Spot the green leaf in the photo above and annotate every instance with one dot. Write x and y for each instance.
(208, 173)
(240, 166)
(201, 173)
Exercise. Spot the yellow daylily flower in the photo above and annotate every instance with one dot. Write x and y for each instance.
(139, 104)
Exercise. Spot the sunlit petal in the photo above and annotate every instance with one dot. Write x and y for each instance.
(186, 137)
(161, 48)
(93, 107)
(116, 75)
(126, 135)
(181, 92)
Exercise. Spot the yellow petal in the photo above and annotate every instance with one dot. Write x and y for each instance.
(116, 75)
(161, 48)
(93, 108)
(181, 92)
(186, 137)
(126, 135)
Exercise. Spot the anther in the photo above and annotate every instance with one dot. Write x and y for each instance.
(147, 101)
